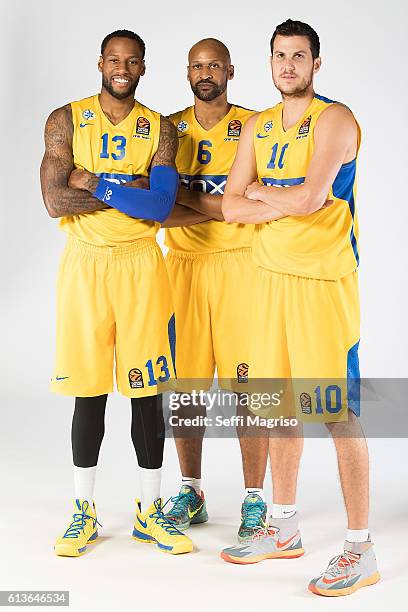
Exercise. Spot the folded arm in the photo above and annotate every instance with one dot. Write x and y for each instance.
(204, 203)
(235, 206)
(336, 141)
(157, 202)
(56, 167)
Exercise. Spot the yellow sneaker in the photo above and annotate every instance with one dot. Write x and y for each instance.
(81, 531)
(152, 527)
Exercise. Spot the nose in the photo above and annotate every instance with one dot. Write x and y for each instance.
(205, 73)
(289, 65)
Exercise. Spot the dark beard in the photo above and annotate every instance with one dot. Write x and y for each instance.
(207, 96)
(301, 91)
(119, 96)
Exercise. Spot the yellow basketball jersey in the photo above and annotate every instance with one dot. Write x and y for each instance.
(322, 245)
(204, 161)
(119, 153)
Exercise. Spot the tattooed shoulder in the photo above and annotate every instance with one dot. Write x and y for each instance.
(59, 129)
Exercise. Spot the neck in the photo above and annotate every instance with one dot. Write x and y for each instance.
(116, 110)
(294, 107)
(210, 113)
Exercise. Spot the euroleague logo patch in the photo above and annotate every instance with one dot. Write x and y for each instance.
(306, 403)
(268, 126)
(234, 128)
(143, 126)
(304, 128)
(135, 378)
(242, 373)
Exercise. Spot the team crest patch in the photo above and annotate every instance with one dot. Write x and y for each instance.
(306, 403)
(242, 373)
(268, 126)
(135, 378)
(182, 126)
(143, 126)
(234, 128)
(88, 114)
(304, 128)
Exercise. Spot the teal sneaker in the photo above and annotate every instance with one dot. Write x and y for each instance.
(253, 517)
(188, 508)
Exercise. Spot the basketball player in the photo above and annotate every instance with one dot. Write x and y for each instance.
(306, 259)
(208, 260)
(113, 290)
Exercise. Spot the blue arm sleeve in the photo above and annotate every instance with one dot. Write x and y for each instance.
(155, 203)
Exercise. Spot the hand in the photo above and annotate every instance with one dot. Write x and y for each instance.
(251, 191)
(139, 183)
(82, 179)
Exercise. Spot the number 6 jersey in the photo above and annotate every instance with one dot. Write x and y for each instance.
(203, 162)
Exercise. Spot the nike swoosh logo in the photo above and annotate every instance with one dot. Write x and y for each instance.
(192, 514)
(183, 135)
(143, 523)
(84, 124)
(61, 377)
(332, 581)
(260, 136)
(282, 544)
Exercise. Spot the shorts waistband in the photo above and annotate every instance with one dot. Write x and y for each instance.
(191, 255)
(139, 246)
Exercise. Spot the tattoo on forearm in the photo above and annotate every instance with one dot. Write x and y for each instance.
(168, 145)
(56, 167)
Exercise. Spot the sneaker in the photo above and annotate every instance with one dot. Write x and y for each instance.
(81, 531)
(346, 573)
(253, 517)
(152, 527)
(281, 540)
(188, 508)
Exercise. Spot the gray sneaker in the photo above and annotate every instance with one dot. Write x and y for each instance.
(355, 568)
(281, 540)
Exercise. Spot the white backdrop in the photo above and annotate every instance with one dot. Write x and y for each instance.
(49, 55)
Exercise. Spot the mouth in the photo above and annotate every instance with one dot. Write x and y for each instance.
(288, 77)
(206, 85)
(121, 81)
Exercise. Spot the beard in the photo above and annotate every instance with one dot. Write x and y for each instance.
(301, 89)
(206, 96)
(119, 95)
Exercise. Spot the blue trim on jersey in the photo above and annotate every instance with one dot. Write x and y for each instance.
(214, 183)
(171, 332)
(117, 177)
(284, 182)
(353, 379)
(324, 99)
(343, 189)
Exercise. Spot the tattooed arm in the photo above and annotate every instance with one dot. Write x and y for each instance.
(56, 167)
(168, 145)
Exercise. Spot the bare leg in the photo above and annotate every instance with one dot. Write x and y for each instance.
(189, 441)
(352, 458)
(285, 451)
(254, 451)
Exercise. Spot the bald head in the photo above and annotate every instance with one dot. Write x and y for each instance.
(209, 69)
(210, 45)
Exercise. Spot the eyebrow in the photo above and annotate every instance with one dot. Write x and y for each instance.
(294, 52)
(208, 61)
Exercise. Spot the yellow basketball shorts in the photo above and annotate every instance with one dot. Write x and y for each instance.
(308, 331)
(211, 294)
(113, 303)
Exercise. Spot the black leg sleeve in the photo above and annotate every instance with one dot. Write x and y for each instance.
(148, 431)
(88, 427)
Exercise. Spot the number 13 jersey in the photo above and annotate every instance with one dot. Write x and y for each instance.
(120, 153)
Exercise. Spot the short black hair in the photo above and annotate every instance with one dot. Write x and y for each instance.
(124, 34)
(298, 28)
